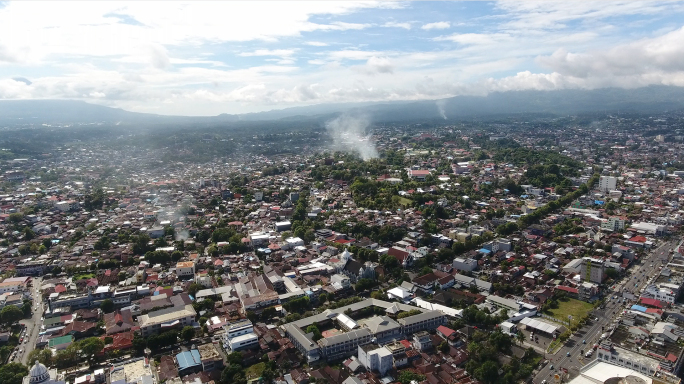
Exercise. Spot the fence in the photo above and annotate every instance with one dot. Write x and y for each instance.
(567, 323)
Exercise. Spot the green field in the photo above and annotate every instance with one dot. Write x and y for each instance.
(82, 276)
(576, 308)
(402, 201)
(254, 372)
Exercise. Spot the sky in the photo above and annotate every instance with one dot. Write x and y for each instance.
(208, 58)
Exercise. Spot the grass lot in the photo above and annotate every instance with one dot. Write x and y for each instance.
(82, 276)
(402, 200)
(576, 308)
(255, 371)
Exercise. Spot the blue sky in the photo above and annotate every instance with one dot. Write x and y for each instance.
(206, 58)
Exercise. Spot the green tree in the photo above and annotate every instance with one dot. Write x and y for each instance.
(44, 356)
(187, 333)
(90, 346)
(11, 314)
(13, 373)
(406, 377)
(193, 288)
(443, 347)
(488, 372)
(316, 332)
(107, 306)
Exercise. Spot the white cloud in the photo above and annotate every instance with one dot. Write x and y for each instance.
(376, 65)
(269, 52)
(475, 38)
(178, 58)
(394, 24)
(437, 25)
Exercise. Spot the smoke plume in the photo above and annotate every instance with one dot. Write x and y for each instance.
(349, 134)
(440, 106)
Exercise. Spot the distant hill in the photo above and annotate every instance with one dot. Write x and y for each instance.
(642, 100)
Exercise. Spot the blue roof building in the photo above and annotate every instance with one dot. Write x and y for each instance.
(189, 362)
(638, 308)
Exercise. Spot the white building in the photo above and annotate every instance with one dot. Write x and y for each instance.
(375, 358)
(164, 319)
(185, 269)
(660, 293)
(607, 183)
(243, 342)
(462, 264)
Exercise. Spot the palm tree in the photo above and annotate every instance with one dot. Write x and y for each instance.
(520, 338)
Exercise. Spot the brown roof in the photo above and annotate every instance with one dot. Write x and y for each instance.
(118, 321)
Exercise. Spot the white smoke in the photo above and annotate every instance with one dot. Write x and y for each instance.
(182, 235)
(440, 106)
(349, 135)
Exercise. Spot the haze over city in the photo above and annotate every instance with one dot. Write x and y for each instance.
(341, 192)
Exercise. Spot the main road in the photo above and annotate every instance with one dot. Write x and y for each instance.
(33, 324)
(570, 356)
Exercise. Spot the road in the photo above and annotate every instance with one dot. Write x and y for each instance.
(33, 324)
(571, 354)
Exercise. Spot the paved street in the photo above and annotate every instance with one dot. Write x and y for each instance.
(592, 331)
(32, 324)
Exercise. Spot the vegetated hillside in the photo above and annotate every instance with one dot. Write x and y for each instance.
(644, 100)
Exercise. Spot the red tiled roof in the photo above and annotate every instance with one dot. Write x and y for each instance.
(651, 302)
(567, 289)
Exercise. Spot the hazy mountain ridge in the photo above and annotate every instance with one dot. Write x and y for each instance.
(643, 100)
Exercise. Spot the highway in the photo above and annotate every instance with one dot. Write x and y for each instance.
(570, 356)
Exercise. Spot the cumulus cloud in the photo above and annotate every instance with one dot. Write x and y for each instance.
(661, 54)
(437, 25)
(377, 65)
(316, 43)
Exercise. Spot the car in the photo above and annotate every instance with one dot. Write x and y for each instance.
(543, 381)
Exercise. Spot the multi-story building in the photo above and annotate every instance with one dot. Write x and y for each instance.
(168, 318)
(375, 358)
(607, 183)
(375, 328)
(660, 293)
(238, 328)
(613, 224)
(462, 264)
(185, 269)
(592, 270)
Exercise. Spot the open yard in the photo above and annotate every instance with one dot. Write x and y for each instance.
(402, 200)
(576, 308)
(82, 276)
(255, 371)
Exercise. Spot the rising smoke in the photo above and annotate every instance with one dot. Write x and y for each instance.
(440, 106)
(349, 134)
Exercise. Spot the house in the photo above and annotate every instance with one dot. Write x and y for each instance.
(447, 334)
(118, 321)
(189, 362)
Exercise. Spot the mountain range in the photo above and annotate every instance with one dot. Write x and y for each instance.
(653, 99)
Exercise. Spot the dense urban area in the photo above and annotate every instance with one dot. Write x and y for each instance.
(536, 249)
